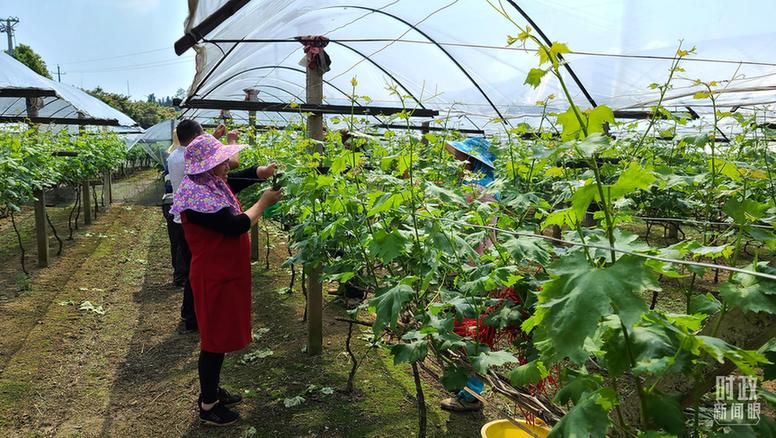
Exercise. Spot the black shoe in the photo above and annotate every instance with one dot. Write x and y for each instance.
(186, 328)
(218, 415)
(226, 399)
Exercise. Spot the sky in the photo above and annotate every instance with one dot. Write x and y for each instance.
(123, 46)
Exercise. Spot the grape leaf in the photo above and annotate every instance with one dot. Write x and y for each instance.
(409, 352)
(570, 123)
(534, 77)
(769, 351)
(580, 295)
(588, 418)
(528, 248)
(454, 378)
(528, 374)
(720, 350)
(487, 359)
(387, 245)
(598, 117)
(388, 305)
(750, 293)
(631, 179)
(664, 411)
(705, 304)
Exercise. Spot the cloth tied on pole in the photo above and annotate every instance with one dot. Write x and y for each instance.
(315, 57)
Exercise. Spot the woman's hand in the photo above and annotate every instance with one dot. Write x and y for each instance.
(219, 131)
(270, 197)
(231, 137)
(265, 172)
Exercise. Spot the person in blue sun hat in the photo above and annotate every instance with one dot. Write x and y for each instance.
(480, 161)
(476, 151)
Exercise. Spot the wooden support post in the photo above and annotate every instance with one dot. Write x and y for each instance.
(252, 95)
(314, 310)
(41, 229)
(314, 96)
(107, 184)
(252, 126)
(86, 202)
(33, 104)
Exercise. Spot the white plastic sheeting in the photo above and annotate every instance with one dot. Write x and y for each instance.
(68, 103)
(452, 55)
(16, 76)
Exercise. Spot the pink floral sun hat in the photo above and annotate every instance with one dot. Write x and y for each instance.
(206, 152)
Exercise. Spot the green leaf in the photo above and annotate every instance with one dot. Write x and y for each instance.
(763, 235)
(454, 378)
(588, 418)
(705, 304)
(769, 351)
(653, 434)
(631, 179)
(409, 352)
(388, 202)
(766, 395)
(598, 117)
(388, 305)
(293, 401)
(744, 212)
(720, 350)
(528, 249)
(534, 77)
(591, 145)
(571, 127)
(555, 50)
(580, 384)
(665, 412)
(580, 295)
(488, 359)
(750, 293)
(387, 245)
(530, 373)
(580, 202)
(714, 252)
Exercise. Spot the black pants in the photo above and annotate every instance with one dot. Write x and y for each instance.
(209, 365)
(181, 260)
(175, 233)
(187, 308)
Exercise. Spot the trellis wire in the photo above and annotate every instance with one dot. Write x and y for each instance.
(608, 248)
(693, 221)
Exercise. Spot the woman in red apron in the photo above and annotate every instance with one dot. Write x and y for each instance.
(216, 231)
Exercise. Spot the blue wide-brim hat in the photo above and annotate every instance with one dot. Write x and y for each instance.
(477, 148)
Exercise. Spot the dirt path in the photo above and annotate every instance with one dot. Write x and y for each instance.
(71, 372)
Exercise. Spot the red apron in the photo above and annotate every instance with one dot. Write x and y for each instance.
(220, 276)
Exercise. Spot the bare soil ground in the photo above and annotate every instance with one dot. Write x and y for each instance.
(69, 371)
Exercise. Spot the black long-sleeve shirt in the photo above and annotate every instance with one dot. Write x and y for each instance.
(224, 221)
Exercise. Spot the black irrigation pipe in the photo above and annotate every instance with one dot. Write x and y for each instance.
(697, 222)
(608, 248)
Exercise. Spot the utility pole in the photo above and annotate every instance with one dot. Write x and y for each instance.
(8, 26)
(59, 74)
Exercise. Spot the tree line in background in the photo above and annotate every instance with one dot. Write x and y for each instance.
(147, 113)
